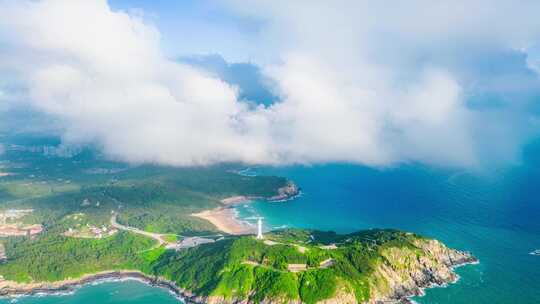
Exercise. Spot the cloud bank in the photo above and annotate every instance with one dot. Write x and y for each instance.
(375, 84)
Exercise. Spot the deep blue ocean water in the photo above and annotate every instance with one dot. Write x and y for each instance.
(494, 213)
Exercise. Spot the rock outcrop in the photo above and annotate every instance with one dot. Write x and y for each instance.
(400, 265)
(290, 190)
(404, 273)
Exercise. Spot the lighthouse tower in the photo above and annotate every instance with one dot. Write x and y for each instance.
(259, 229)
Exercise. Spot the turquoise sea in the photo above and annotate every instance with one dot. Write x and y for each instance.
(132, 292)
(494, 213)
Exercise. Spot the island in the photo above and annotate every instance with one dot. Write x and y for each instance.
(68, 221)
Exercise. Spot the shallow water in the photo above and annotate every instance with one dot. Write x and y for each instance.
(125, 292)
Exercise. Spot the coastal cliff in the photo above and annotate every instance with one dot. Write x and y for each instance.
(404, 272)
(299, 266)
(289, 266)
(290, 190)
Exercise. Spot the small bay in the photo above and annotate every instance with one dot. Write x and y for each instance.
(494, 213)
(119, 292)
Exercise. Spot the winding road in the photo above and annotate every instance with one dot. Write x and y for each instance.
(156, 236)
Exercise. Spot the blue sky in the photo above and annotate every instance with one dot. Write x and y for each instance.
(197, 27)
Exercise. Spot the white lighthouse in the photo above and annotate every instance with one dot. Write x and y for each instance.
(259, 229)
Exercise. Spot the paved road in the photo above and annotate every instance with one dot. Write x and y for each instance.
(156, 236)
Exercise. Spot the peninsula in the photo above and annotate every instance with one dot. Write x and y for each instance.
(289, 266)
(65, 223)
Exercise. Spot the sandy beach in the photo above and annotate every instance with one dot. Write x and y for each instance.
(226, 220)
(233, 200)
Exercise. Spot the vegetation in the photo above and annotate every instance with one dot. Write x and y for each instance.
(153, 198)
(317, 285)
(80, 193)
(248, 268)
(53, 257)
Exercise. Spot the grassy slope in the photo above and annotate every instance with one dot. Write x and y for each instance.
(161, 199)
(53, 258)
(220, 270)
(158, 199)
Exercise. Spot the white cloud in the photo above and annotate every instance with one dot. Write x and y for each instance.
(102, 74)
(351, 78)
(384, 82)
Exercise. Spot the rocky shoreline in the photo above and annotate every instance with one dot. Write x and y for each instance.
(405, 298)
(427, 278)
(285, 193)
(403, 283)
(14, 289)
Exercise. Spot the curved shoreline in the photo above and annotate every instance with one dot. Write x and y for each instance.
(226, 219)
(68, 287)
(223, 218)
(13, 289)
(223, 213)
(408, 299)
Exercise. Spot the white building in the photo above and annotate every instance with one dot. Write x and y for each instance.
(259, 229)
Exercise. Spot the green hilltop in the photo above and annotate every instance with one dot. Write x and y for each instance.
(287, 266)
(311, 266)
(67, 216)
